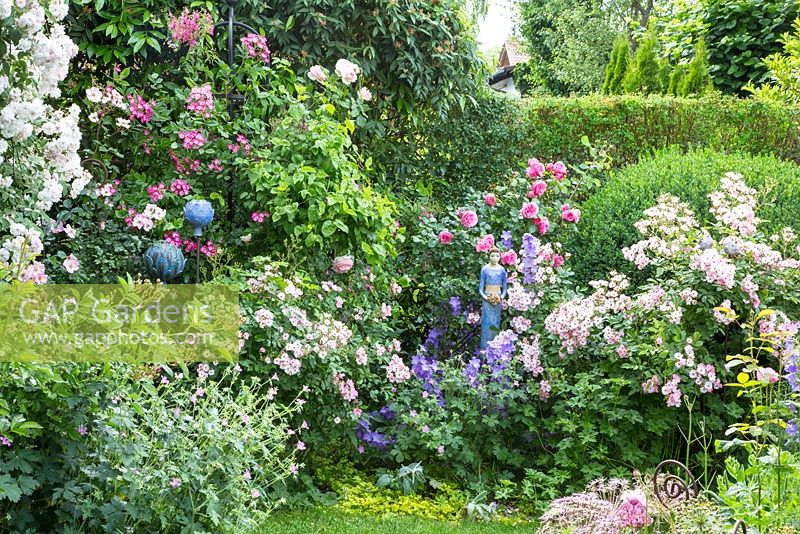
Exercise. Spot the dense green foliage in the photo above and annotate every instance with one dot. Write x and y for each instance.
(476, 146)
(610, 214)
(697, 80)
(740, 33)
(617, 66)
(386, 39)
(783, 84)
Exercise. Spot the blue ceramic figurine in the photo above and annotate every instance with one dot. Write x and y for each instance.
(493, 289)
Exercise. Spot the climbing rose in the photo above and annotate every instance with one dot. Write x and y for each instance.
(490, 199)
(445, 237)
(347, 71)
(509, 258)
(558, 169)
(469, 219)
(538, 188)
(317, 73)
(535, 168)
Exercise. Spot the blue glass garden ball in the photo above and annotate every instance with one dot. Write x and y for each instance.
(199, 214)
(164, 261)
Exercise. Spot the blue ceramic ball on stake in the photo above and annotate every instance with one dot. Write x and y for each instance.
(199, 214)
(164, 261)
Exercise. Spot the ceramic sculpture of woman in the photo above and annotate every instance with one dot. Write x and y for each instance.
(493, 290)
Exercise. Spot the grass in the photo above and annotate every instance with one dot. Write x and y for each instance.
(331, 521)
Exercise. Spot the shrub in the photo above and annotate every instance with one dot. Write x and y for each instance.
(609, 215)
(697, 80)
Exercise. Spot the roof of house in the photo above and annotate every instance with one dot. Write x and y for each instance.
(513, 53)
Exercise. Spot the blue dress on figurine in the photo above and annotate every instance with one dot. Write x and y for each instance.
(493, 289)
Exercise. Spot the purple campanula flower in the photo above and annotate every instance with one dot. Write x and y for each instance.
(455, 306)
(506, 239)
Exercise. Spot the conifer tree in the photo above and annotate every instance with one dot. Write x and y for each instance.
(644, 72)
(617, 66)
(697, 80)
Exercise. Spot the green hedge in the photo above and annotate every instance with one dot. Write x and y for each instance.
(477, 146)
(636, 125)
(607, 222)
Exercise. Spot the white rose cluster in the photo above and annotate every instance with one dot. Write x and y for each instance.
(39, 161)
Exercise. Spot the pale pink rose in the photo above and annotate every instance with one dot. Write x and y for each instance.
(365, 94)
(542, 225)
(538, 188)
(317, 73)
(509, 258)
(558, 169)
(71, 264)
(342, 264)
(445, 237)
(347, 71)
(767, 375)
(490, 199)
(529, 210)
(469, 219)
(535, 168)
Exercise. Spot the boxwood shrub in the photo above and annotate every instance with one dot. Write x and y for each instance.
(608, 216)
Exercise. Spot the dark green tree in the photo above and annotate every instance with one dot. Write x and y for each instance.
(617, 66)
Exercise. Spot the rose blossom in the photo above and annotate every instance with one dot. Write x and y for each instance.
(558, 169)
(535, 168)
(317, 73)
(490, 199)
(529, 210)
(365, 94)
(538, 188)
(71, 264)
(542, 225)
(347, 71)
(572, 215)
(485, 243)
(509, 258)
(469, 219)
(445, 237)
(342, 264)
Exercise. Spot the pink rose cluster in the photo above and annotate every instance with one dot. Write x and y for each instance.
(256, 46)
(190, 26)
(485, 243)
(156, 192)
(192, 139)
(201, 100)
(140, 109)
(529, 210)
(180, 187)
(558, 169)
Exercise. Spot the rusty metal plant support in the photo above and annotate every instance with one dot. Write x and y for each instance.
(673, 487)
(739, 526)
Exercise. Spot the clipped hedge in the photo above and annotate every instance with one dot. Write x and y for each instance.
(477, 146)
(608, 216)
(636, 125)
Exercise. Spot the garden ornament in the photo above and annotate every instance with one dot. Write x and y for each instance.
(730, 247)
(164, 261)
(706, 243)
(493, 289)
(199, 214)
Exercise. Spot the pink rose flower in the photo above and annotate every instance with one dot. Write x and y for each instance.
(558, 261)
(469, 219)
(542, 225)
(571, 215)
(538, 188)
(485, 243)
(535, 168)
(445, 237)
(490, 199)
(317, 73)
(558, 169)
(508, 258)
(342, 264)
(529, 210)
